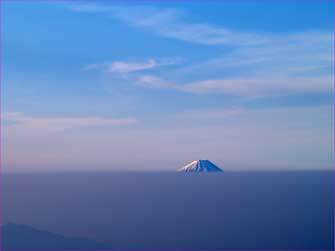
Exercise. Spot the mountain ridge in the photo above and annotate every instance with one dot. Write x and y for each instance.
(25, 237)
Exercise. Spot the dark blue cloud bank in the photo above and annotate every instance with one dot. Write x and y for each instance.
(147, 210)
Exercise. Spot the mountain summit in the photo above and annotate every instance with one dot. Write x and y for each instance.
(200, 166)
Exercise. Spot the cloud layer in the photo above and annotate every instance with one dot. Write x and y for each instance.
(123, 67)
(280, 138)
(256, 65)
(20, 121)
(170, 23)
(254, 86)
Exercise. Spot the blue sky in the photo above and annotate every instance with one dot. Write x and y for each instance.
(152, 86)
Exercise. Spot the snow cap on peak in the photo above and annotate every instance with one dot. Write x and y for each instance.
(200, 166)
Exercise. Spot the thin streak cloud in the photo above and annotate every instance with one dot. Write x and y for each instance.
(241, 86)
(124, 67)
(164, 22)
(20, 121)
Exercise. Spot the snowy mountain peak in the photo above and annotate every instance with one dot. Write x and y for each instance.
(200, 166)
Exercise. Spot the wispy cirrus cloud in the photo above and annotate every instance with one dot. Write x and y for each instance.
(257, 64)
(291, 63)
(21, 121)
(124, 67)
(240, 86)
(303, 52)
(163, 22)
(150, 81)
(260, 86)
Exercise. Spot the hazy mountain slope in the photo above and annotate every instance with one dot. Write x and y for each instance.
(23, 237)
